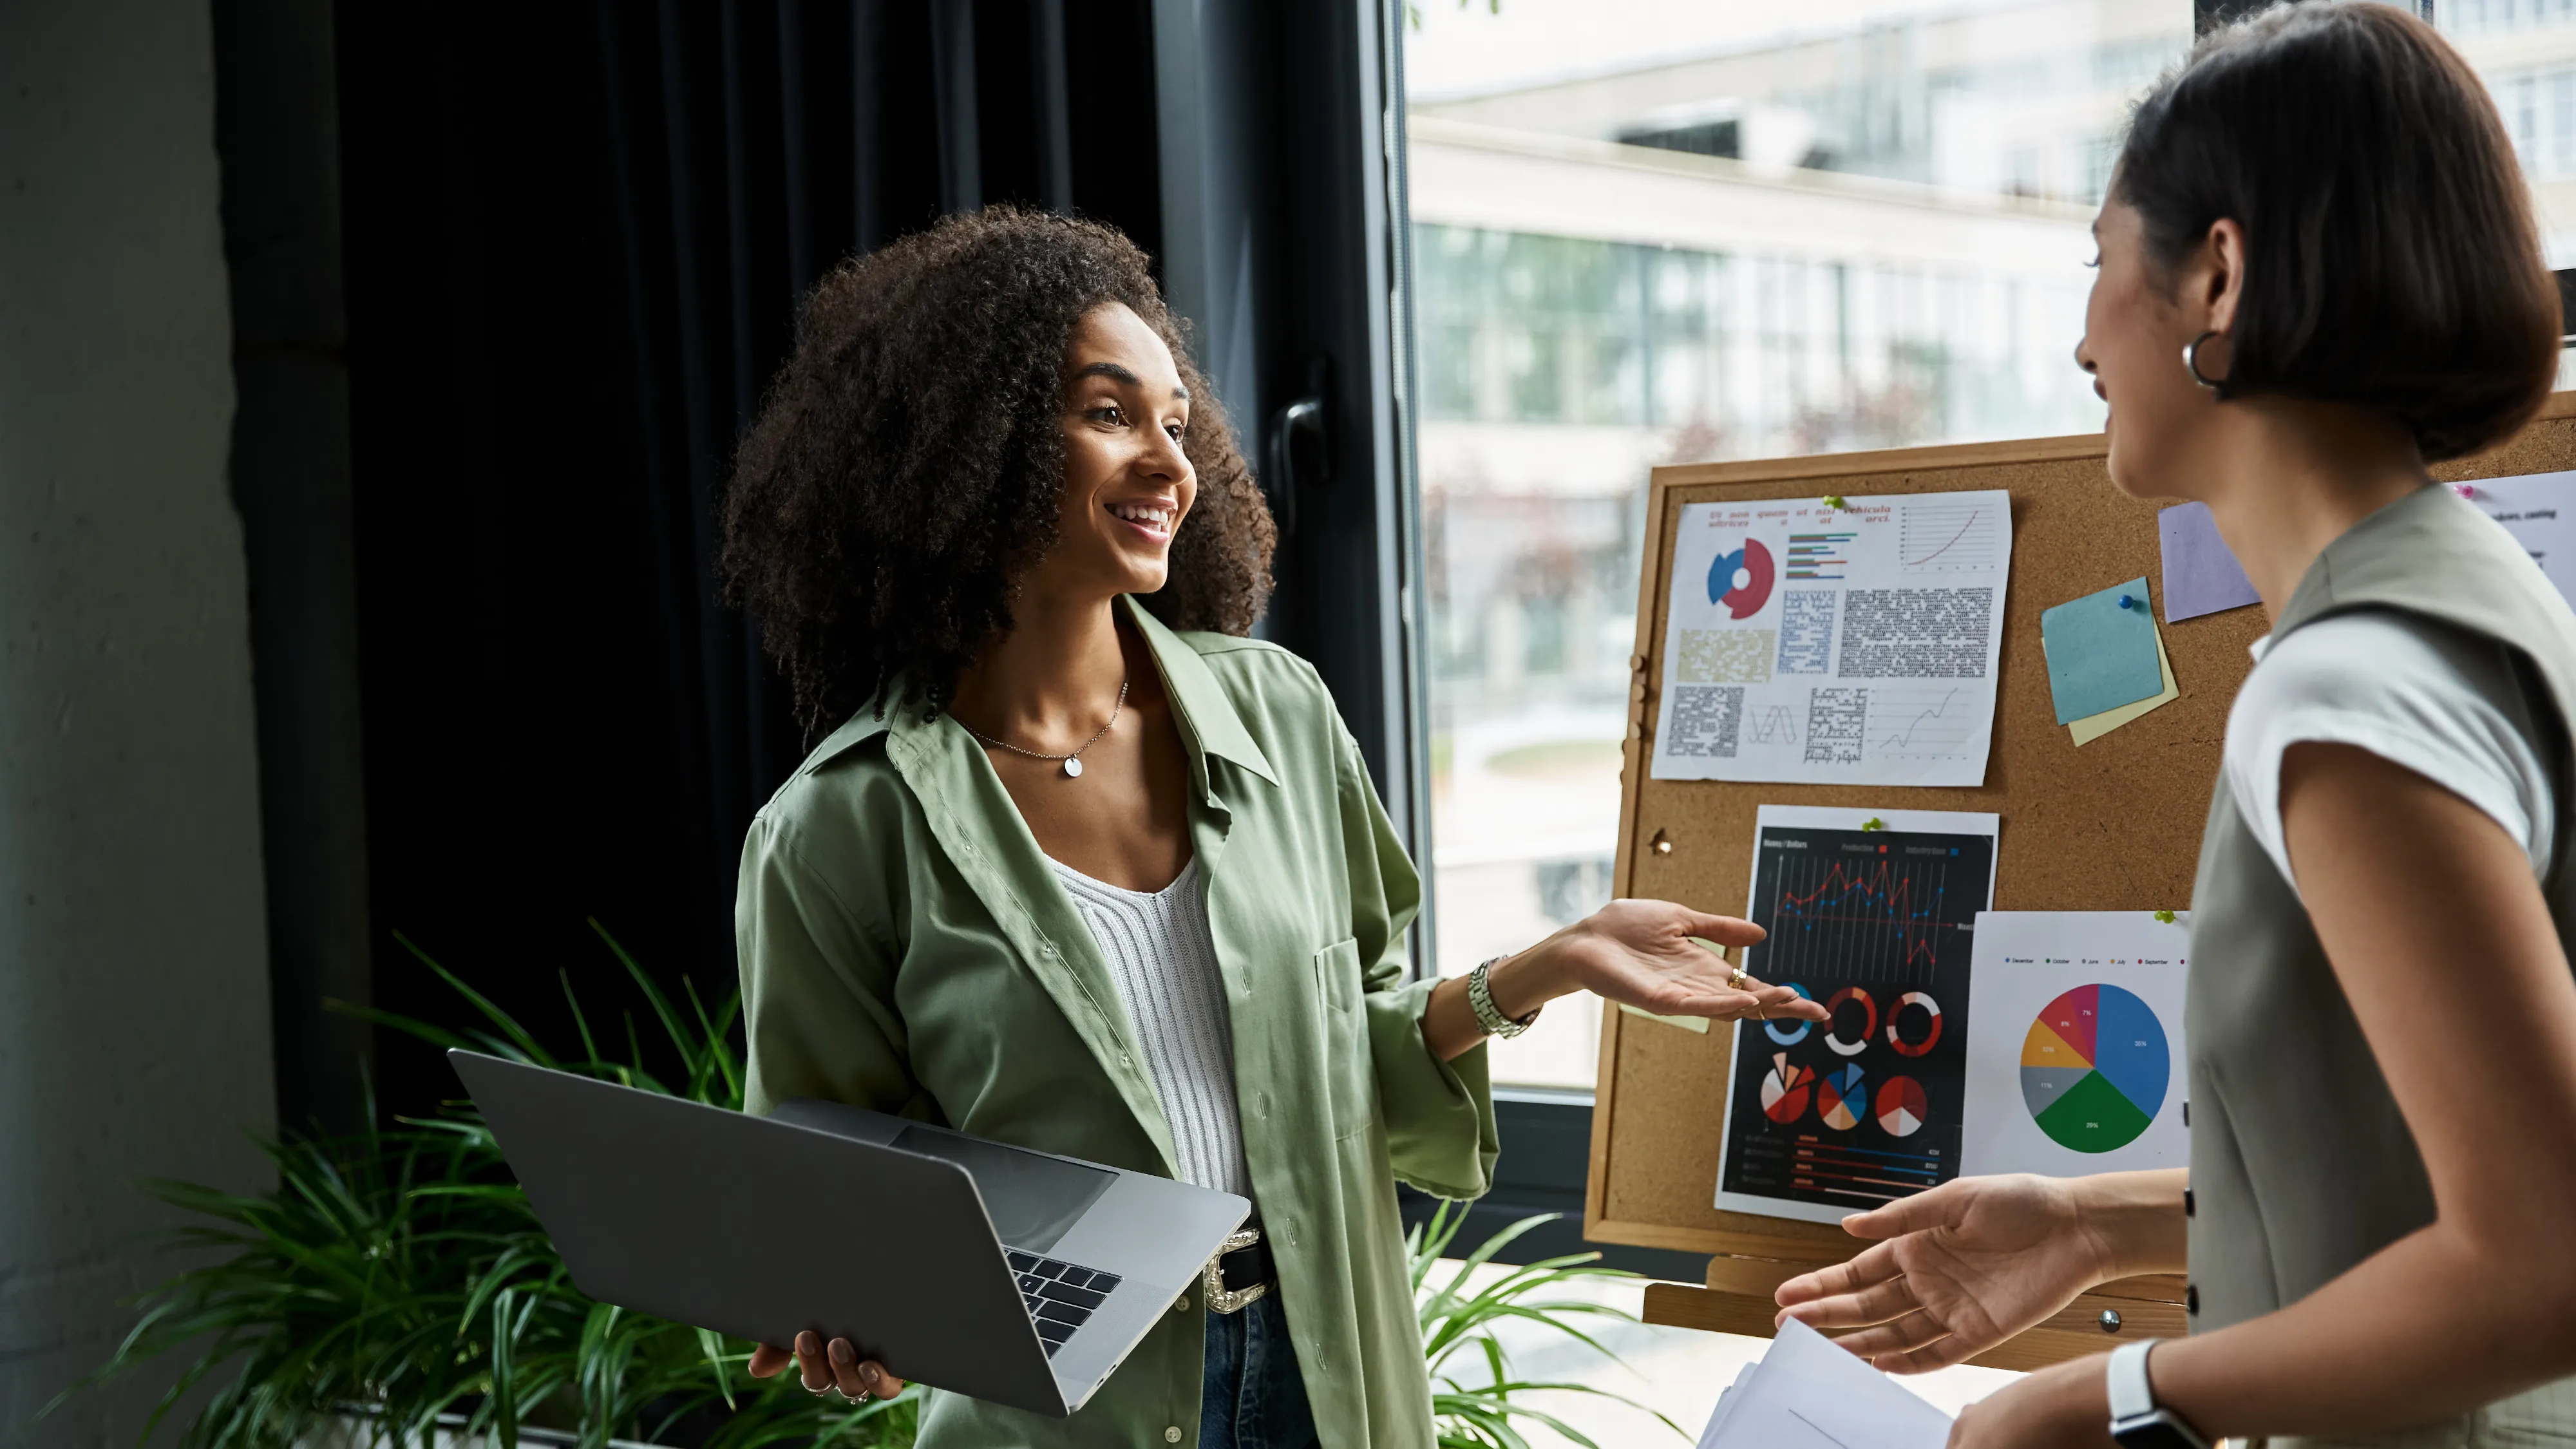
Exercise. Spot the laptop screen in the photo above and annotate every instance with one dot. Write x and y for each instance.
(1034, 1199)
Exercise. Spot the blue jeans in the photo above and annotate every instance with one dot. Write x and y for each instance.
(1254, 1398)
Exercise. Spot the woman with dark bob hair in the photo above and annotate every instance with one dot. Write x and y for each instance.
(2319, 274)
(1078, 866)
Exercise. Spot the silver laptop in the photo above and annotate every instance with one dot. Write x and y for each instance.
(1014, 1276)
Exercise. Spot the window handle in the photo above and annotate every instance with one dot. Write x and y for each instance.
(1301, 452)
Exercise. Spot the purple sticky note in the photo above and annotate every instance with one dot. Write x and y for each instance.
(2201, 576)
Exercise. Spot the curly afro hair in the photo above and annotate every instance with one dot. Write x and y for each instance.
(907, 462)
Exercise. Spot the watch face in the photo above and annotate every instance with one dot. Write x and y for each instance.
(2157, 1432)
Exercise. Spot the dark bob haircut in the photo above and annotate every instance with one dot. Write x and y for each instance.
(2392, 261)
(906, 465)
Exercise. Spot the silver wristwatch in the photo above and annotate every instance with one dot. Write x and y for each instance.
(1480, 999)
(2136, 1422)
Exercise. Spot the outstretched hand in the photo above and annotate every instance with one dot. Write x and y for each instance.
(1959, 1269)
(1647, 954)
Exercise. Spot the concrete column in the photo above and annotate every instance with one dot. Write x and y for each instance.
(134, 1020)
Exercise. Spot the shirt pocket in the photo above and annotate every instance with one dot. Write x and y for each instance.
(1350, 1075)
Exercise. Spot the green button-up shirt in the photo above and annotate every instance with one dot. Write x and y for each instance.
(905, 947)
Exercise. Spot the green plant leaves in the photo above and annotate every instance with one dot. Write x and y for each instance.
(1455, 1321)
(396, 1277)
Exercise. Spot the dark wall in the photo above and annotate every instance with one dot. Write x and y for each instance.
(575, 235)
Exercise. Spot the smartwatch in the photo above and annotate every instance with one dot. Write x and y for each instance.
(2136, 1422)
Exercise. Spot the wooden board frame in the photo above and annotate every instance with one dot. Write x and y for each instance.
(2114, 825)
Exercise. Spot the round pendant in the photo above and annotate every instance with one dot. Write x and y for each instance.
(1073, 768)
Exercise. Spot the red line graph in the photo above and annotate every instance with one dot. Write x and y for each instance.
(1872, 918)
(1945, 548)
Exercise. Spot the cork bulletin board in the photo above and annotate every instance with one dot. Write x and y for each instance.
(2112, 826)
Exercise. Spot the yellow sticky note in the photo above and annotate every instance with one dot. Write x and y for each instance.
(1687, 1023)
(2094, 726)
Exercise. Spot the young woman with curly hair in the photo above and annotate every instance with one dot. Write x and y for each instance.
(2318, 274)
(1080, 867)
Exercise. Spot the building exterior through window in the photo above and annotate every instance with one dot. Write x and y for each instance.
(1651, 231)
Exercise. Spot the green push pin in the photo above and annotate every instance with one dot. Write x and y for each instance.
(2165, 918)
(1873, 823)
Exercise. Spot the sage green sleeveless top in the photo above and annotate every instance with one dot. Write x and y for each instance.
(2301, 1165)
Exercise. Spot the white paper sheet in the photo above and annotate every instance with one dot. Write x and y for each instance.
(1728, 1395)
(1828, 1119)
(1808, 1394)
(2075, 1060)
(2539, 510)
(1819, 645)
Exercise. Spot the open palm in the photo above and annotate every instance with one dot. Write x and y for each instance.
(1960, 1269)
(1648, 954)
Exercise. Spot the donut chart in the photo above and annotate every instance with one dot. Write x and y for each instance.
(2095, 1067)
(1741, 580)
(1859, 1040)
(1931, 1035)
(1790, 1033)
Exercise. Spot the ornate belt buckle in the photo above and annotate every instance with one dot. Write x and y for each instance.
(1212, 1280)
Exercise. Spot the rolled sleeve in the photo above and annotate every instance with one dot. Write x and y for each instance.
(1439, 1116)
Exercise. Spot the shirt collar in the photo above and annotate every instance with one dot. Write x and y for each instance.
(1206, 714)
(1209, 722)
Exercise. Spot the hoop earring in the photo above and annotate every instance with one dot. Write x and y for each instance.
(2191, 361)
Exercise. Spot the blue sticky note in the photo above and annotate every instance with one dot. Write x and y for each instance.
(2101, 651)
(2201, 576)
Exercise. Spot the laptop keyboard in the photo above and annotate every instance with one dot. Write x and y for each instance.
(1060, 1296)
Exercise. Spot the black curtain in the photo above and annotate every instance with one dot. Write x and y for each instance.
(575, 235)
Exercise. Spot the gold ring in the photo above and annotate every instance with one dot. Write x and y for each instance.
(1757, 1012)
(1736, 979)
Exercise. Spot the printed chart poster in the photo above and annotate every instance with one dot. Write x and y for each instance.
(1829, 1118)
(1852, 646)
(2077, 1065)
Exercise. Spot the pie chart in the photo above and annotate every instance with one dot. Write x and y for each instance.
(2094, 1068)
(1785, 1089)
(1841, 1099)
(1902, 1107)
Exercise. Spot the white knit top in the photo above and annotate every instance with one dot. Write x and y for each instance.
(1163, 958)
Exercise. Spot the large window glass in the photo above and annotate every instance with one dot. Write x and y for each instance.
(1651, 231)
(2525, 50)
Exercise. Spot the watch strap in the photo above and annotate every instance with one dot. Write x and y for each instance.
(2126, 1377)
(1480, 1000)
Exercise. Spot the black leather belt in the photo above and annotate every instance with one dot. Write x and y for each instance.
(1240, 1273)
(1246, 1268)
